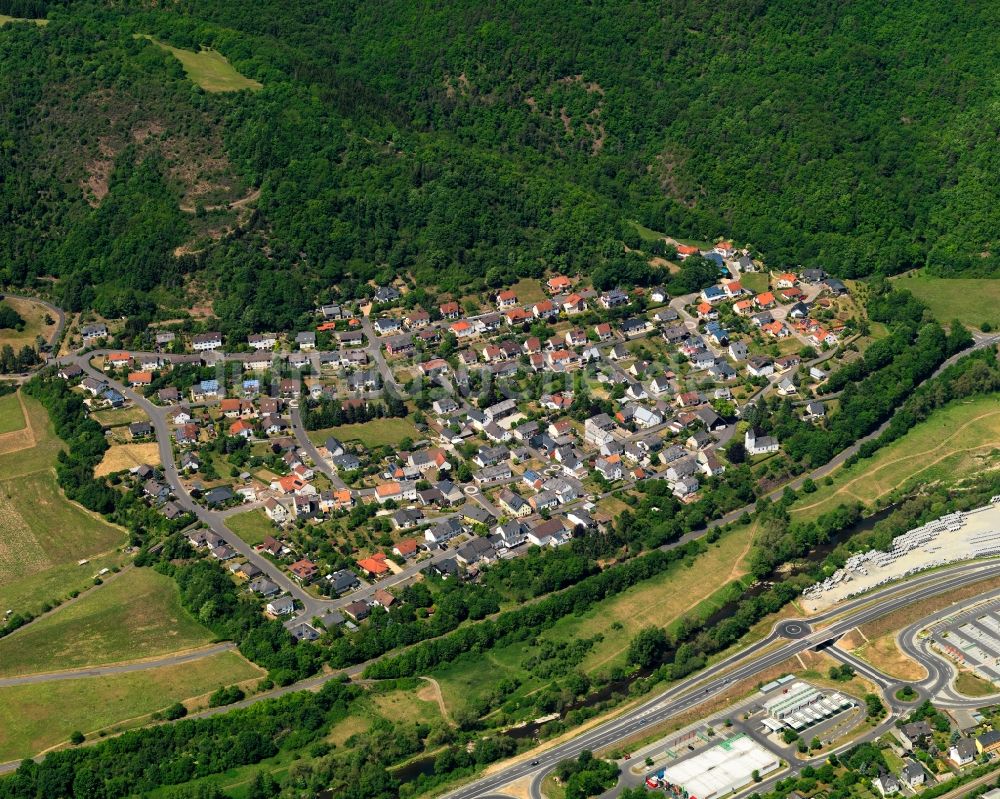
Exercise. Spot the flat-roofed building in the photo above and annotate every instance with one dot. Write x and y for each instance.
(723, 768)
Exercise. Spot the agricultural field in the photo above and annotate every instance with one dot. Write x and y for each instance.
(31, 449)
(136, 615)
(377, 433)
(38, 716)
(252, 526)
(35, 317)
(11, 415)
(42, 529)
(45, 535)
(956, 441)
(119, 457)
(209, 69)
(658, 602)
(972, 301)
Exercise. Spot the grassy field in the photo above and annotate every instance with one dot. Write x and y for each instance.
(381, 432)
(124, 456)
(4, 19)
(136, 615)
(42, 529)
(757, 282)
(31, 449)
(969, 684)
(955, 441)
(209, 69)
(36, 717)
(11, 416)
(885, 655)
(44, 535)
(252, 526)
(529, 291)
(970, 300)
(658, 601)
(115, 417)
(34, 316)
(648, 234)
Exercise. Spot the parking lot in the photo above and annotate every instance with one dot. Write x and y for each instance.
(972, 639)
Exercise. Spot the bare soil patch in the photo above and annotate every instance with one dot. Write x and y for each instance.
(126, 456)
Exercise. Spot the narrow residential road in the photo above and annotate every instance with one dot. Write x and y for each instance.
(306, 445)
(55, 312)
(838, 460)
(214, 520)
(118, 668)
(374, 350)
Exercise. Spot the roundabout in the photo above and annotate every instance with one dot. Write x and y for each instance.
(793, 629)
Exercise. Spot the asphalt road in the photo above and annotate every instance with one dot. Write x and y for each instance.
(305, 444)
(941, 672)
(838, 459)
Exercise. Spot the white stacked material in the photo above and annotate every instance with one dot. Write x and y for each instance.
(955, 537)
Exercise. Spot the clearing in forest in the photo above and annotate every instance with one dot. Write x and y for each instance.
(209, 69)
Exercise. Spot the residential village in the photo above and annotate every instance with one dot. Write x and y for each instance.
(524, 419)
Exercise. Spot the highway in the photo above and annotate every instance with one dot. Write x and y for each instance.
(743, 665)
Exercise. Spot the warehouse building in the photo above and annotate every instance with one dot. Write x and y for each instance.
(801, 706)
(722, 769)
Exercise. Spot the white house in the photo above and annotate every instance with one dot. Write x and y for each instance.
(759, 445)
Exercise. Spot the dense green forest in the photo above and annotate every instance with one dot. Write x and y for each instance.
(468, 143)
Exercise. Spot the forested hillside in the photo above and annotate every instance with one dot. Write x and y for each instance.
(467, 143)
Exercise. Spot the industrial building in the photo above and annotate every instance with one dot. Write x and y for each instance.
(801, 705)
(722, 769)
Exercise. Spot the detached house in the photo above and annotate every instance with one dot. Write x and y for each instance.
(386, 294)
(506, 299)
(93, 333)
(613, 299)
(759, 445)
(545, 309)
(558, 284)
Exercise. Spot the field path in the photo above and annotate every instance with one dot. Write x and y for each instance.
(433, 693)
(738, 567)
(24, 438)
(869, 474)
(175, 659)
(240, 203)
